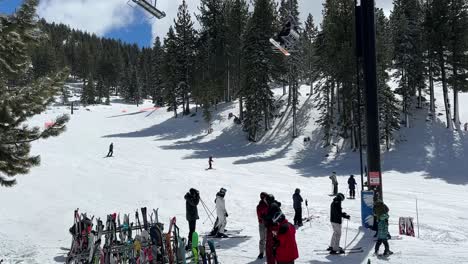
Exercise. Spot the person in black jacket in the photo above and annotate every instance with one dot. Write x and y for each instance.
(352, 186)
(297, 204)
(336, 215)
(111, 150)
(192, 198)
(273, 208)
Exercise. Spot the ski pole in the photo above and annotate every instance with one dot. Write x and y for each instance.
(209, 217)
(308, 214)
(417, 215)
(346, 234)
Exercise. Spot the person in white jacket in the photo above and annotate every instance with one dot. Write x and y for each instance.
(221, 213)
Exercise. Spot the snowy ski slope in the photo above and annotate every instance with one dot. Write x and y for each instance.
(158, 158)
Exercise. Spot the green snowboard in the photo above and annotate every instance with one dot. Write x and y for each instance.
(195, 247)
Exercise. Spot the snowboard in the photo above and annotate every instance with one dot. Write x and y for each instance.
(195, 247)
(279, 47)
(202, 251)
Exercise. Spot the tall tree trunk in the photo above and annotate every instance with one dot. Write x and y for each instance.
(284, 87)
(332, 103)
(445, 90)
(456, 113)
(431, 89)
(241, 108)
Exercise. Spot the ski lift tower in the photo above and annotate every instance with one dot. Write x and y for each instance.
(150, 8)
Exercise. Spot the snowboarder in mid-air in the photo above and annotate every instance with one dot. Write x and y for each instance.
(192, 198)
(352, 187)
(210, 162)
(336, 215)
(297, 204)
(111, 150)
(334, 183)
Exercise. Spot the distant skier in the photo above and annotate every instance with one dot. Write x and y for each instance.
(192, 198)
(297, 204)
(334, 183)
(336, 215)
(262, 211)
(285, 246)
(382, 235)
(221, 213)
(111, 150)
(210, 162)
(352, 186)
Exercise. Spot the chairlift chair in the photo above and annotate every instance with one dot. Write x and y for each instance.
(150, 8)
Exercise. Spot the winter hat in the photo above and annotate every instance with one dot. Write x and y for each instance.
(297, 190)
(222, 190)
(340, 196)
(352, 176)
(263, 195)
(278, 217)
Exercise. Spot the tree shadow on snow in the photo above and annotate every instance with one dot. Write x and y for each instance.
(427, 146)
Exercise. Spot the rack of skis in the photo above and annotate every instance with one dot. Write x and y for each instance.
(137, 242)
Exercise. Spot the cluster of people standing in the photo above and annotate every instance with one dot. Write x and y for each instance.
(277, 235)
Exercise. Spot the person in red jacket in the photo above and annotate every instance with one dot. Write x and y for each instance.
(262, 210)
(285, 247)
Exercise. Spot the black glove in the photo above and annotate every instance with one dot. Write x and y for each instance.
(347, 217)
(226, 214)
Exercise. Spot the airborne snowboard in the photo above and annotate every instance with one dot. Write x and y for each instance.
(279, 47)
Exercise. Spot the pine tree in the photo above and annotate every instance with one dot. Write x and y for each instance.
(171, 83)
(308, 38)
(88, 95)
(156, 73)
(458, 47)
(438, 31)
(185, 43)
(26, 97)
(258, 56)
(388, 104)
(407, 32)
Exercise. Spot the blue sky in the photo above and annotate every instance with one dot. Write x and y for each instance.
(139, 31)
(118, 19)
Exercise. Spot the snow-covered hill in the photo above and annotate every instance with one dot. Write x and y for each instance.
(158, 158)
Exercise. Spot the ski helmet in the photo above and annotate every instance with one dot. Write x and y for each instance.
(340, 196)
(297, 190)
(278, 217)
(263, 195)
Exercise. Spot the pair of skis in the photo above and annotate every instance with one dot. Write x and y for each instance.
(346, 251)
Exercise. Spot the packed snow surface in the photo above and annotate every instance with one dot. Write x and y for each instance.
(157, 158)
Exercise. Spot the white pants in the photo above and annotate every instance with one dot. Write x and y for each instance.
(336, 237)
(262, 242)
(221, 223)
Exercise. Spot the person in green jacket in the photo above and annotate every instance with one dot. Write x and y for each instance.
(382, 235)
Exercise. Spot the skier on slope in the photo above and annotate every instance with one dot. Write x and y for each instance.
(192, 198)
(210, 162)
(336, 215)
(297, 204)
(382, 235)
(262, 211)
(273, 208)
(285, 246)
(352, 186)
(221, 214)
(111, 150)
(334, 183)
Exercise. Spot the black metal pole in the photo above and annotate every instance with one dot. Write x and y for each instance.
(374, 179)
(358, 29)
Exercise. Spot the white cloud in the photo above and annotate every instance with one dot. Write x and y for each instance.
(91, 15)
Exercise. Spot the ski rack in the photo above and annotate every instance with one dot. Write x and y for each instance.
(150, 8)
